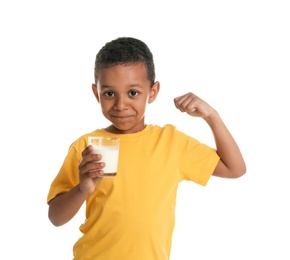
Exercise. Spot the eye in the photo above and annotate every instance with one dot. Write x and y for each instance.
(133, 93)
(109, 94)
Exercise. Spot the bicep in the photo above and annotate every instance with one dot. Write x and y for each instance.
(221, 170)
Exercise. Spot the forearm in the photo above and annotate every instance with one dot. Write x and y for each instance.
(64, 207)
(233, 164)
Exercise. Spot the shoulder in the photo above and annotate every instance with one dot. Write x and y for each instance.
(165, 128)
(168, 130)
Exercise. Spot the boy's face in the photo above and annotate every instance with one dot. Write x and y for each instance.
(123, 92)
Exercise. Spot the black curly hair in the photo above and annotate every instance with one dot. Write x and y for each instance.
(125, 50)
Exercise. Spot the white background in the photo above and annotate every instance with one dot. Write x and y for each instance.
(233, 54)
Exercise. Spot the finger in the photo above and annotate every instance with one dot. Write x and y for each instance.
(178, 100)
(91, 167)
(91, 158)
(183, 102)
(87, 150)
(190, 105)
(96, 174)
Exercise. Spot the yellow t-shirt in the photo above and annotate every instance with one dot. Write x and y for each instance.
(131, 216)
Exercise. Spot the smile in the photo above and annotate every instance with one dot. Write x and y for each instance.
(121, 117)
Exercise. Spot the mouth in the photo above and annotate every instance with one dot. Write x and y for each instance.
(123, 117)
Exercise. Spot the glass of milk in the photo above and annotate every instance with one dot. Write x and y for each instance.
(108, 147)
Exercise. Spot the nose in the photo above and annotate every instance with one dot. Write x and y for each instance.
(120, 103)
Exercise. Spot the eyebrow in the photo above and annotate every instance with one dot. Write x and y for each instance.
(104, 86)
(130, 86)
(135, 86)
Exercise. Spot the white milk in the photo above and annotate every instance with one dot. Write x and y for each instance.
(110, 157)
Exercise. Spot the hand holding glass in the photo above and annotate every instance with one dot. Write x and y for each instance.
(108, 147)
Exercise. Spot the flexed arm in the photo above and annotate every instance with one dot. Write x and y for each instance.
(231, 164)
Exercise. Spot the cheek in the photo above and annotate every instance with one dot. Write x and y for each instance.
(105, 105)
(141, 106)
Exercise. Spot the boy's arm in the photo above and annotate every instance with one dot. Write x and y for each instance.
(231, 164)
(64, 207)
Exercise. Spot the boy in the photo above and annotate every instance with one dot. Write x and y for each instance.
(131, 216)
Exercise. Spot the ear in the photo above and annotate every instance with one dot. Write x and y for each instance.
(154, 92)
(95, 91)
